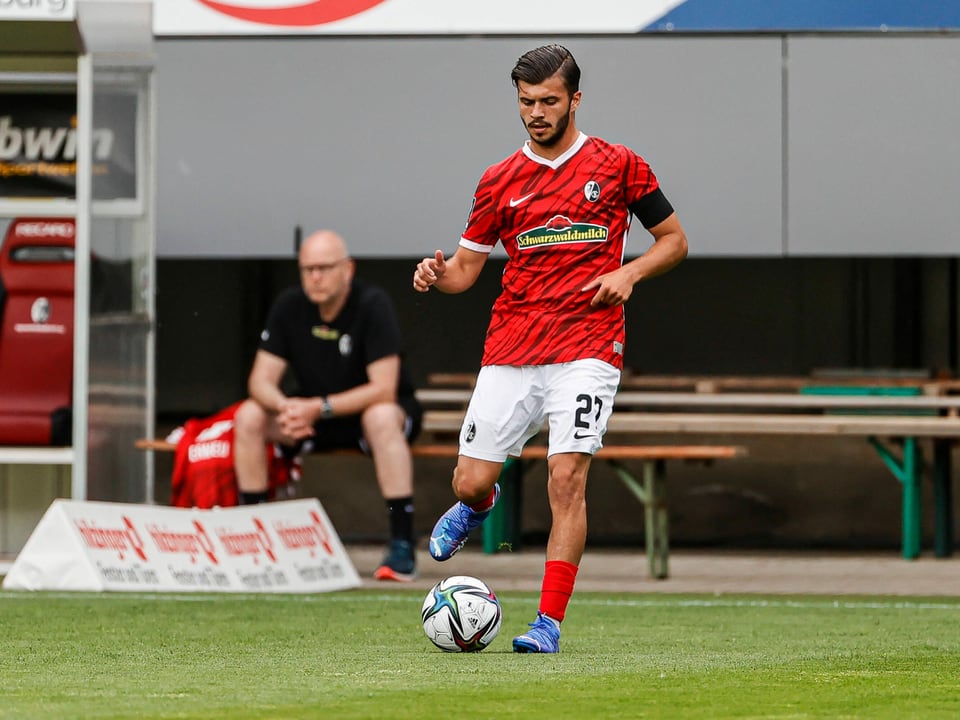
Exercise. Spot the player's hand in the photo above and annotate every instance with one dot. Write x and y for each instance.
(611, 289)
(428, 271)
(295, 418)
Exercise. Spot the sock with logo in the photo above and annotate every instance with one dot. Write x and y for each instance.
(559, 577)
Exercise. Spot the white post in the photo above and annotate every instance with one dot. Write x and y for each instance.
(81, 303)
(149, 172)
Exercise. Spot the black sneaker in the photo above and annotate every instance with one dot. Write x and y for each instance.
(399, 564)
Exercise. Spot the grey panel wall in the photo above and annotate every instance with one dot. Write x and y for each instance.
(385, 138)
(874, 145)
(706, 114)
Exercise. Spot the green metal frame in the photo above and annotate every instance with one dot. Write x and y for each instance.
(502, 530)
(908, 470)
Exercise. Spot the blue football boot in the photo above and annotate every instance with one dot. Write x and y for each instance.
(450, 532)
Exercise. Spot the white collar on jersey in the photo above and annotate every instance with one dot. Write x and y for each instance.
(560, 160)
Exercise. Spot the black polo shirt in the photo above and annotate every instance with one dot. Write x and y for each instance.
(329, 357)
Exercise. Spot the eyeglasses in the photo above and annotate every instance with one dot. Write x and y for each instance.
(321, 269)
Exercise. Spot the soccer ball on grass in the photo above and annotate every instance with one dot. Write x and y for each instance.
(461, 614)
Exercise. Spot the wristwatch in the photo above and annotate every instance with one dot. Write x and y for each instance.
(326, 409)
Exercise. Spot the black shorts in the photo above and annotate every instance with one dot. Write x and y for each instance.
(346, 432)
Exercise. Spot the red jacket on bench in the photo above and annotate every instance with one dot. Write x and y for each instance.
(203, 473)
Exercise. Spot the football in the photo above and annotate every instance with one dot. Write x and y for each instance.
(461, 614)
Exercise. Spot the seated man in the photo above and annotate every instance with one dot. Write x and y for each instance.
(341, 338)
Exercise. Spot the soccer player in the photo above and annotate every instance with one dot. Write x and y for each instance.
(341, 338)
(561, 206)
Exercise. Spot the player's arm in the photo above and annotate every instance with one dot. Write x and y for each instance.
(383, 377)
(668, 250)
(450, 276)
(298, 415)
(264, 381)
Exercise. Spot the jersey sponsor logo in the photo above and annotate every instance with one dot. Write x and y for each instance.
(212, 450)
(521, 200)
(560, 230)
(324, 333)
(591, 191)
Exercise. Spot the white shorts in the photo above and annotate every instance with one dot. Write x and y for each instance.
(510, 405)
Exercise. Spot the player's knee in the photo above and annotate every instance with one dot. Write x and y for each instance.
(250, 420)
(471, 485)
(382, 420)
(567, 484)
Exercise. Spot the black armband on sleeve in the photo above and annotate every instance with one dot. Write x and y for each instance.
(652, 209)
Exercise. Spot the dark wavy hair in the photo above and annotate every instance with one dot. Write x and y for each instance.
(538, 64)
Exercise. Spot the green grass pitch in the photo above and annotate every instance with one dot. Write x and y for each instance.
(362, 654)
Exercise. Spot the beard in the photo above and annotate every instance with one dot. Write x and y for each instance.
(558, 131)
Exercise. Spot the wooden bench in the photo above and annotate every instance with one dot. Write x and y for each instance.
(888, 422)
(502, 529)
(747, 383)
(870, 404)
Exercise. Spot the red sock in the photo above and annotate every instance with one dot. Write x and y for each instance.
(484, 504)
(558, 579)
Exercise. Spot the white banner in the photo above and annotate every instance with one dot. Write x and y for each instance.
(280, 547)
(280, 17)
(38, 10)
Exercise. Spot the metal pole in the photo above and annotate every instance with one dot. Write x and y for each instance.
(81, 303)
(149, 116)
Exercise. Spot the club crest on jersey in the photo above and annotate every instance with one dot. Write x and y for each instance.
(591, 191)
(560, 230)
(40, 311)
(345, 345)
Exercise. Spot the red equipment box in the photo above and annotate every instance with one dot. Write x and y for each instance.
(36, 332)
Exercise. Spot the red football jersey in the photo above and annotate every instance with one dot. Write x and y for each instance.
(563, 223)
(203, 474)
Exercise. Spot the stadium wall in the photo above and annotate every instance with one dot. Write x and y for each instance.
(771, 145)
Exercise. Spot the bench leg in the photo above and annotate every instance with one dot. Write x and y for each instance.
(908, 472)
(943, 499)
(658, 531)
(502, 529)
(653, 494)
(912, 510)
